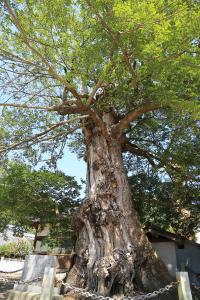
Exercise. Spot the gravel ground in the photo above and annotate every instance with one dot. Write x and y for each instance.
(8, 265)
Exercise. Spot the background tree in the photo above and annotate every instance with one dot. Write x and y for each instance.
(156, 204)
(51, 197)
(167, 194)
(100, 66)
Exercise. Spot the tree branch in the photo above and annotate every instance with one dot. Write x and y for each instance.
(10, 56)
(95, 89)
(43, 133)
(129, 147)
(64, 109)
(26, 40)
(114, 36)
(81, 108)
(134, 149)
(99, 83)
(62, 133)
(26, 106)
(131, 116)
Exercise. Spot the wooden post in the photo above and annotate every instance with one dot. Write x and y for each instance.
(48, 284)
(184, 291)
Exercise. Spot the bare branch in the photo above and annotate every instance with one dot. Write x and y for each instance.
(66, 109)
(131, 116)
(11, 56)
(96, 87)
(99, 83)
(62, 133)
(26, 106)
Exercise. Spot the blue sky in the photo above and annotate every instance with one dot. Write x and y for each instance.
(72, 166)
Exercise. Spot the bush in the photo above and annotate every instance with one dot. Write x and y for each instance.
(18, 249)
(7, 250)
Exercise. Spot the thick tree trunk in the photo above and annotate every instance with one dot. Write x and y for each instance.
(114, 255)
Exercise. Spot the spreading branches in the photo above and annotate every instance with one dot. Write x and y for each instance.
(63, 133)
(66, 107)
(118, 129)
(116, 41)
(37, 136)
(136, 150)
(34, 50)
(16, 58)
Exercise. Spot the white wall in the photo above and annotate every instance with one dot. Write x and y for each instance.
(197, 236)
(189, 256)
(167, 252)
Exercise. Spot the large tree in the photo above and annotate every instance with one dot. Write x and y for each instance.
(102, 66)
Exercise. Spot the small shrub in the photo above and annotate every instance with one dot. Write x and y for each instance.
(17, 249)
(23, 248)
(7, 250)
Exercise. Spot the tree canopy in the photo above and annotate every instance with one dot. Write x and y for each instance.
(86, 57)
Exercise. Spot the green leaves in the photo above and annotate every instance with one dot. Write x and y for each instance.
(26, 194)
(81, 39)
(21, 248)
(171, 205)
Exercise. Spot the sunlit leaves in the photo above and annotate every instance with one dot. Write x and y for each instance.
(142, 51)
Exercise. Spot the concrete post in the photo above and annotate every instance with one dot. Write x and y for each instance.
(48, 284)
(184, 291)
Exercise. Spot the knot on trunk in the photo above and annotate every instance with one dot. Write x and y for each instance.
(120, 262)
(104, 266)
(100, 211)
(105, 166)
(116, 269)
(107, 217)
(105, 212)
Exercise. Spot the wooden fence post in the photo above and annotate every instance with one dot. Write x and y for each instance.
(184, 291)
(48, 284)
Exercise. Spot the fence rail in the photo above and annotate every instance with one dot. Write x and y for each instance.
(182, 283)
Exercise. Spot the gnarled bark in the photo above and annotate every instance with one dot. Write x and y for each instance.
(114, 256)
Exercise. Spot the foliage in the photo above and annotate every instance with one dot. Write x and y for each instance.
(27, 194)
(16, 249)
(143, 52)
(85, 58)
(173, 206)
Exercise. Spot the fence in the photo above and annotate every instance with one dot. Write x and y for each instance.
(182, 283)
